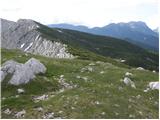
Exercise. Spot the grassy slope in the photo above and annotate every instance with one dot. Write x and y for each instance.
(99, 87)
(106, 46)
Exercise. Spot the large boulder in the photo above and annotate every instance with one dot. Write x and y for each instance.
(22, 73)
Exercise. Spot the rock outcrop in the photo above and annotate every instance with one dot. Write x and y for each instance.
(22, 73)
(24, 35)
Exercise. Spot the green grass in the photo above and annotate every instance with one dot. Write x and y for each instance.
(103, 46)
(79, 102)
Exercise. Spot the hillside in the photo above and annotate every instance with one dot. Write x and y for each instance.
(134, 32)
(96, 93)
(102, 45)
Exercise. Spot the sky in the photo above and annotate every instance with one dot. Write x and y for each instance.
(91, 13)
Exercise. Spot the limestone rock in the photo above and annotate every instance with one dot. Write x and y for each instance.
(20, 91)
(24, 35)
(20, 114)
(129, 82)
(154, 85)
(128, 74)
(22, 73)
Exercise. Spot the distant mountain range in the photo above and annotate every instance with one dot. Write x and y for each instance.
(135, 32)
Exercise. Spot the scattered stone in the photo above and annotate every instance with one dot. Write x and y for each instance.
(102, 72)
(7, 111)
(129, 82)
(20, 91)
(103, 113)
(131, 116)
(60, 112)
(116, 113)
(129, 106)
(116, 105)
(85, 78)
(39, 109)
(146, 90)
(61, 76)
(49, 115)
(65, 85)
(72, 108)
(3, 98)
(120, 88)
(128, 74)
(154, 71)
(122, 61)
(92, 64)
(140, 68)
(16, 96)
(140, 112)
(99, 62)
(97, 102)
(78, 77)
(20, 114)
(87, 69)
(39, 98)
(90, 69)
(154, 85)
(156, 104)
(138, 96)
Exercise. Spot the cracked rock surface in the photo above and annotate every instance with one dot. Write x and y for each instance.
(22, 73)
(24, 35)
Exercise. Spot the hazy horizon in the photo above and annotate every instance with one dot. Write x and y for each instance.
(90, 13)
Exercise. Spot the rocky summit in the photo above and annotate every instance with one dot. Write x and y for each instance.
(24, 35)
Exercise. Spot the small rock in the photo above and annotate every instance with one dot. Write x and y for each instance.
(128, 74)
(85, 78)
(90, 69)
(120, 88)
(102, 72)
(128, 82)
(48, 115)
(60, 112)
(97, 102)
(122, 61)
(39, 109)
(61, 76)
(103, 113)
(20, 91)
(138, 96)
(154, 71)
(20, 114)
(116, 105)
(131, 116)
(129, 106)
(116, 113)
(3, 98)
(140, 68)
(8, 111)
(72, 108)
(78, 77)
(154, 85)
(39, 98)
(91, 64)
(140, 112)
(16, 96)
(146, 90)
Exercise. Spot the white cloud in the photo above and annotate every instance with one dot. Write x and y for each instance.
(87, 12)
